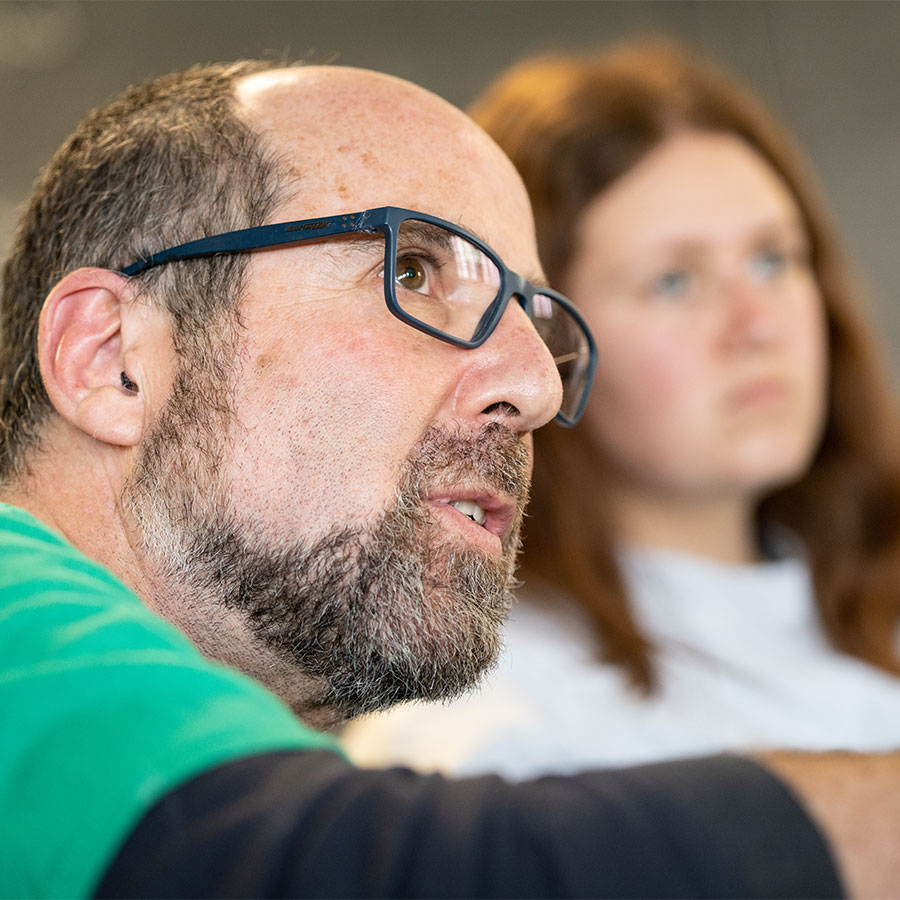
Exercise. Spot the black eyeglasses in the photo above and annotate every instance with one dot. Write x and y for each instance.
(438, 278)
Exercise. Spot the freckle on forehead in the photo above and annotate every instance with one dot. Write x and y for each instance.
(360, 139)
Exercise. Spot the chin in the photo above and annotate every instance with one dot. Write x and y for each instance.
(771, 468)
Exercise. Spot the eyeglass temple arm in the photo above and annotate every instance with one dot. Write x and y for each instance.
(252, 239)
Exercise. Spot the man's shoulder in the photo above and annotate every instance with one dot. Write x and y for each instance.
(113, 707)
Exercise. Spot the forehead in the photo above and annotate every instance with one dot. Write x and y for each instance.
(696, 181)
(356, 139)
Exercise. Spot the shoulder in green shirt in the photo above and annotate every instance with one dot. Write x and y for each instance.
(104, 709)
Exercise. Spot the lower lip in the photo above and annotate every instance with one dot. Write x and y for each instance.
(761, 395)
(473, 533)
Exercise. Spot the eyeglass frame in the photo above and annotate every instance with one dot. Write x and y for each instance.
(386, 220)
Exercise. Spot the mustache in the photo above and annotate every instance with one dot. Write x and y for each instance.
(493, 457)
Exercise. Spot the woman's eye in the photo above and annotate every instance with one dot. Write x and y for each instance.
(768, 264)
(674, 283)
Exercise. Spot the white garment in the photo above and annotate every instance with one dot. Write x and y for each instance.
(743, 661)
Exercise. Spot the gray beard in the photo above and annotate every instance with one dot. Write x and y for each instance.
(375, 615)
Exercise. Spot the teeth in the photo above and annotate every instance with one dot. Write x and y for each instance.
(471, 509)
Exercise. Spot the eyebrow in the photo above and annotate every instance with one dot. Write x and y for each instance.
(440, 237)
(790, 224)
(427, 233)
(352, 244)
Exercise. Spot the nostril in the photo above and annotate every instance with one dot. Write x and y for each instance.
(503, 408)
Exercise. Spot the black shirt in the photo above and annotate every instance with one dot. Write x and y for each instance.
(306, 824)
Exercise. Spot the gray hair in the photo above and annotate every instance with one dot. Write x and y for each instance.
(167, 161)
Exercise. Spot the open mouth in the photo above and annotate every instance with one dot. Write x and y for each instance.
(481, 517)
(471, 509)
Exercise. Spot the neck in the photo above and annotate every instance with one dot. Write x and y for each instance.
(715, 527)
(77, 494)
(81, 503)
(222, 634)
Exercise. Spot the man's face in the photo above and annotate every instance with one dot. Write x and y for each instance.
(357, 514)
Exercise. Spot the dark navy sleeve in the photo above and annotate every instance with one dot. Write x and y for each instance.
(306, 824)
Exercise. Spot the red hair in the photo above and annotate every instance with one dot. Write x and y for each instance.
(573, 126)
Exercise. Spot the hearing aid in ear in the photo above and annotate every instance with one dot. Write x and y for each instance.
(129, 385)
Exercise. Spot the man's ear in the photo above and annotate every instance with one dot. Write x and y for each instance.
(82, 348)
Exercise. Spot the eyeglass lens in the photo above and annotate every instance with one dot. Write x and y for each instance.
(568, 344)
(447, 283)
(442, 279)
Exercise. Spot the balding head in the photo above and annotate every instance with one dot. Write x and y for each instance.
(358, 139)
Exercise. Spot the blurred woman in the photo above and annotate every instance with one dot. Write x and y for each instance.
(712, 558)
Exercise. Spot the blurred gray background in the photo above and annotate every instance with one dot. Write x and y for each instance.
(831, 69)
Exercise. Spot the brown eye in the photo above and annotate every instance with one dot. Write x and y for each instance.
(411, 274)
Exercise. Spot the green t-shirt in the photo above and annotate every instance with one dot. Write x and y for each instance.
(104, 708)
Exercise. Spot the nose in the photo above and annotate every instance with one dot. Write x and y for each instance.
(751, 316)
(511, 377)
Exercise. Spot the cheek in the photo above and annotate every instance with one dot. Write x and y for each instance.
(646, 386)
(321, 435)
(819, 379)
(811, 343)
(805, 355)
